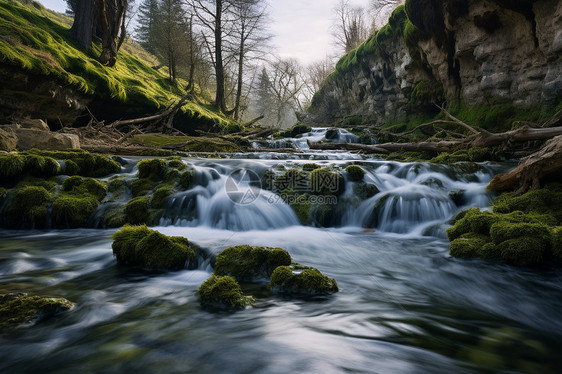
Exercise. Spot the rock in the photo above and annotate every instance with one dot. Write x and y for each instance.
(37, 124)
(18, 309)
(223, 293)
(33, 138)
(301, 280)
(247, 263)
(8, 140)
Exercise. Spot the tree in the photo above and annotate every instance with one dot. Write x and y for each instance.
(381, 10)
(286, 85)
(250, 38)
(146, 33)
(263, 96)
(102, 18)
(213, 17)
(350, 28)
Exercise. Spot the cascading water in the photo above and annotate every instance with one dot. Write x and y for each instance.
(316, 135)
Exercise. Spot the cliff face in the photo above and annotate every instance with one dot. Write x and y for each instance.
(468, 52)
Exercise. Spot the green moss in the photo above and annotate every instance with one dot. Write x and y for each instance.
(557, 243)
(233, 128)
(118, 187)
(326, 182)
(303, 209)
(469, 245)
(137, 211)
(176, 163)
(78, 185)
(142, 186)
(223, 293)
(154, 169)
(140, 246)
(503, 231)
(293, 179)
(11, 166)
(187, 179)
(310, 167)
(355, 173)
(523, 251)
(41, 167)
(48, 184)
(192, 144)
(70, 168)
(160, 195)
(248, 263)
(27, 207)
(88, 164)
(364, 190)
(72, 211)
(546, 201)
(18, 309)
(308, 281)
(115, 216)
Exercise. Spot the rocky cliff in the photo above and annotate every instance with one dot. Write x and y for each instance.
(466, 53)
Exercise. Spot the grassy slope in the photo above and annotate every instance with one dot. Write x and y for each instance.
(39, 41)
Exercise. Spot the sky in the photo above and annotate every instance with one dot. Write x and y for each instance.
(301, 28)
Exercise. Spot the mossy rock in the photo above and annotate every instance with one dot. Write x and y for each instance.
(149, 249)
(89, 164)
(292, 179)
(11, 166)
(72, 211)
(142, 186)
(20, 309)
(302, 208)
(70, 168)
(365, 190)
(306, 281)
(547, 200)
(41, 167)
(137, 210)
(355, 173)
(247, 263)
(48, 184)
(160, 195)
(187, 179)
(332, 134)
(79, 185)
(223, 292)
(503, 231)
(175, 162)
(27, 207)
(154, 169)
(468, 245)
(115, 216)
(326, 182)
(523, 251)
(310, 167)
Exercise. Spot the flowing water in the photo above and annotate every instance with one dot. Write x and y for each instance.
(404, 304)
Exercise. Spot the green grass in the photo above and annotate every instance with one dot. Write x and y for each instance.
(39, 41)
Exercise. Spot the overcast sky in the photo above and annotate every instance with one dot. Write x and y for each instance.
(301, 28)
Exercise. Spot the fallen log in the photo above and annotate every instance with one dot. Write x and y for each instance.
(533, 170)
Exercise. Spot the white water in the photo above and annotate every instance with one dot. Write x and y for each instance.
(316, 135)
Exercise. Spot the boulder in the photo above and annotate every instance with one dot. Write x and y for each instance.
(37, 124)
(8, 140)
(33, 138)
(18, 309)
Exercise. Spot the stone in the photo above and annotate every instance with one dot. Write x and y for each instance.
(37, 124)
(8, 140)
(33, 138)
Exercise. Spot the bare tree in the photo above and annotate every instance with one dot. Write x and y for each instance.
(286, 84)
(350, 26)
(380, 10)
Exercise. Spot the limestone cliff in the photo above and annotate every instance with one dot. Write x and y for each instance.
(468, 52)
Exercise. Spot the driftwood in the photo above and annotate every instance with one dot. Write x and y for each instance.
(250, 123)
(532, 171)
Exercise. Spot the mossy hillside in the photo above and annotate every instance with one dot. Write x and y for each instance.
(247, 263)
(149, 249)
(526, 237)
(306, 281)
(18, 309)
(37, 41)
(223, 292)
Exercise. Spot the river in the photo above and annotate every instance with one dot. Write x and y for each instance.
(404, 306)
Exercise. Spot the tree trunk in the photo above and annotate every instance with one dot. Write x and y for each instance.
(533, 170)
(110, 15)
(190, 81)
(220, 99)
(83, 27)
(241, 54)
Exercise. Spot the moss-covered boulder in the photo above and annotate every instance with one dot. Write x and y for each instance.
(545, 201)
(149, 249)
(326, 182)
(41, 167)
(187, 179)
(27, 207)
(364, 191)
(247, 263)
(160, 195)
(301, 280)
(310, 167)
(80, 162)
(469, 245)
(11, 166)
(523, 251)
(355, 173)
(114, 216)
(20, 309)
(154, 169)
(223, 292)
(80, 185)
(72, 211)
(142, 186)
(137, 210)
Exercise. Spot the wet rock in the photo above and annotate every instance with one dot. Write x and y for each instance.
(19, 309)
(248, 263)
(223, 292)
(301, 280)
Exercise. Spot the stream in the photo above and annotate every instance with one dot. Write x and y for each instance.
(404, 306)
